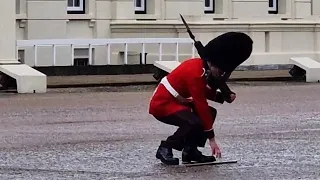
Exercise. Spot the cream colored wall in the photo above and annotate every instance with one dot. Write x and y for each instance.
(7, 34)
(292, 32)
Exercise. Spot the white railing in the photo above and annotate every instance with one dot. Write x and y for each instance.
(73, 43)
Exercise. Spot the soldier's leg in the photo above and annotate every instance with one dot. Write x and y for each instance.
(188, 136)
(201, 136)
(187, 123)
(197, 139)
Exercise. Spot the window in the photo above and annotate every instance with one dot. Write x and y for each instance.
(273, 6)
(81, 62)
(76, 7)
(21, 56)
(209, 6)
(140, 6)
(82, 56)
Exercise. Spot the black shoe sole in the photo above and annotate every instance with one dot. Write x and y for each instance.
(188, 161)
(196, 162)
(167, 162)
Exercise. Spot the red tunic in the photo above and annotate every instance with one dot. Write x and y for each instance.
(189, 81)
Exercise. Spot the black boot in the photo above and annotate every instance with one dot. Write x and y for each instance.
(192, 154)
(166, 156)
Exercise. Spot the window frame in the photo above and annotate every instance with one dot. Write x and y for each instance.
(211, 8)
(142, 9)
(275, 8)
(75, 9)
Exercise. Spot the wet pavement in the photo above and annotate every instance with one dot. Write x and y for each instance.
(273, 132)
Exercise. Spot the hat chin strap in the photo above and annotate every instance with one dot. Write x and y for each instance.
(206, 72)
(198, 45)
(205, 65)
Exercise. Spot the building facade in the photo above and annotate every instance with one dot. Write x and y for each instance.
(280, 28)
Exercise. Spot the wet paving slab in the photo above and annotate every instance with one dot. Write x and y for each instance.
(273, 132)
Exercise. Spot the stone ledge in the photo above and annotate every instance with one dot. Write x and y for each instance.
(120, 75)
(133, 26)
(145, 79)
(134, 69)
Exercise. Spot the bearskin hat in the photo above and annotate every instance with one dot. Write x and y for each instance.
(229, 50)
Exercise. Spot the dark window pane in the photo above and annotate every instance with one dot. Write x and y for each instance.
(70, 3)
(270, 3)
(207, 3)
(81, 62)
(138, 3)
(77, 3)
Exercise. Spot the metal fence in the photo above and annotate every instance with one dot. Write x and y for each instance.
(73, 43)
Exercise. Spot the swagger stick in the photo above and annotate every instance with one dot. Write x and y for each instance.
(199, 46)
(216, 83)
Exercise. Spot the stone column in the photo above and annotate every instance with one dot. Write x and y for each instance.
(28, 80)
(7, 31)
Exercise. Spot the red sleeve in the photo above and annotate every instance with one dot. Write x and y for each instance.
(197, 89)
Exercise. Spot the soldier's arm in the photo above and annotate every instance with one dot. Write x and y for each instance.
(220, 83)
(197, 89)
(214, 95)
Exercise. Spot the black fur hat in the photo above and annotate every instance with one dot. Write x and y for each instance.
(229, 50)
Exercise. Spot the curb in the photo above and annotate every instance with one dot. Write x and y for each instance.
(102, 84)
(289, 79)
(142, 83)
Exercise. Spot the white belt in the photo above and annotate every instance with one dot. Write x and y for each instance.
(168, 86)
(173, 92)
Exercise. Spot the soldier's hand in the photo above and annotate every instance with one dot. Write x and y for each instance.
(183, 100)
(215, 148)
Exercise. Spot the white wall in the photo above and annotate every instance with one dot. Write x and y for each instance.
(293, 31)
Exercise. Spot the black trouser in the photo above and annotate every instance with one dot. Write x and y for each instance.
(190, 131)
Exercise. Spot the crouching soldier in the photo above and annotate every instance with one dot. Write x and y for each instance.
(181, 98)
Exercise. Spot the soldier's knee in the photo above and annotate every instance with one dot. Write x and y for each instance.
(195, 121)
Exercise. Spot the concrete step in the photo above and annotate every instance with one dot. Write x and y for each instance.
(135, 79)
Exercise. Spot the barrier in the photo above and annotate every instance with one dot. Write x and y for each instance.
(89, 43)
(310, 66)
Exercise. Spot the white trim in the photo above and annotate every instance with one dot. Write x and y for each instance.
(210, 7)
(204, 72)
(274, 8)
(168, 86)
(142, 8)
(164, 81)
(208, 130)
(76, 8)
